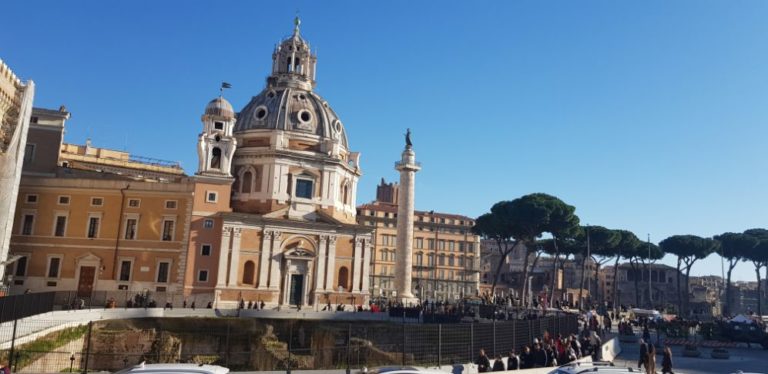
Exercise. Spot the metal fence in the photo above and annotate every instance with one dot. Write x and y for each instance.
(20, 306)
(247, 344)
(24, 305)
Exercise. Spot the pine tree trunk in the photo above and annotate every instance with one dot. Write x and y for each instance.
(687, 298)
(554, 279)
(679, 290)
(637, 284)
(524, 299)
(759, 295)
(728, 305)
(581, 283)
(616, 300)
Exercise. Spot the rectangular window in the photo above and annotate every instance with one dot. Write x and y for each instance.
(168, 226)
(130, 228)
(61, 226)
(211, 197)
(21, 267)
(431, 244)
(125, 270)
(431, 259)
(63, 200)
(219, 125)
(134, 203)
(31, 199)
(419, 243)
(29, 153)
(27, 224)
(93, 227)
(97, 201)
(441, 245)
(419, 260)
(304, 188)
(53, 267)
(205, 249)
(208, 224)
(162, 272)
(451, 246)
(170, 204)
(383, 255)
(202, 276)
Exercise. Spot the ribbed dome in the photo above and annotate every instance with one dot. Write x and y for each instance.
(220, 107)
(291, 109)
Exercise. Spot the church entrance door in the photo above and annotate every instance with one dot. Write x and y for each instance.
(297, 289)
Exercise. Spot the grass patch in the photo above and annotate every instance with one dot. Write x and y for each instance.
(29, 352)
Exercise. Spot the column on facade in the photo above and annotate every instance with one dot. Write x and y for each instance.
(367, 248)
(221, 280)
(320, 259)
(357, 263)
(274, 264)
(331, 269)
(266, 242)
(234, 264)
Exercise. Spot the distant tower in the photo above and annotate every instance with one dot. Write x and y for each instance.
(404, 259)
(216, 145)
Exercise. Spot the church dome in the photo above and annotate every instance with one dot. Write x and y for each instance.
(220, 107)
(291, 109)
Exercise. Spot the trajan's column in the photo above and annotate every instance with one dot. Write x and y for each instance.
(407, 167)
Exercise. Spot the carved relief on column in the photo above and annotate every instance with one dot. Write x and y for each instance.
(320, 260)
(234, 264)
(367, 248)
(275, 257)
(357, 264)
(266, 248)
(221, 277)
(331, 268)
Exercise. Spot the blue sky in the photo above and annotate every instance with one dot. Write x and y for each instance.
(646, 115)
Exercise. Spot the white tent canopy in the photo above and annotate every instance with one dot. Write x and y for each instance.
(741, 319)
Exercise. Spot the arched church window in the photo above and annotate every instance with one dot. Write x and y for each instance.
(297, 65)
(345, 194)
(248, 271)
(247, 176)
(216, 158)
(344, 278)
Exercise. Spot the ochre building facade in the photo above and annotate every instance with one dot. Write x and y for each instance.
(269, 216)
(446, 254)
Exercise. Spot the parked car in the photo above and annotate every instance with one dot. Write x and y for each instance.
(174, 369)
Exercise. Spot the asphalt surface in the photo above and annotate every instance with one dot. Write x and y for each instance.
(747, 360)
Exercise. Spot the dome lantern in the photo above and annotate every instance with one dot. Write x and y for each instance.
(293, 64)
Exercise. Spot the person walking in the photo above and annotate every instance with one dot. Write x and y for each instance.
(641, 361)
(650, 363)
(482, 362)
(666, 362)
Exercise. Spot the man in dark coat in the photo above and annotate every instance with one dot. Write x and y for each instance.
(483, 363)
(539, 356)
(513, 362)
(643, 354)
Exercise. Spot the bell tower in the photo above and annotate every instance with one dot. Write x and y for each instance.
(216, 144)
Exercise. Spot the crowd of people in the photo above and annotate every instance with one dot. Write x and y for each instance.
(545, 352)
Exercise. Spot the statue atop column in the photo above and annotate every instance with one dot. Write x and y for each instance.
(408, 143)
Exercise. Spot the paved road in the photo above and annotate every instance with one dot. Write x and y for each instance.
(752, 360)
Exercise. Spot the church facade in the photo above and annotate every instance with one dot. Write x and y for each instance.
(289, 235)
(268, 216)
